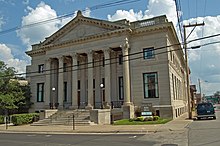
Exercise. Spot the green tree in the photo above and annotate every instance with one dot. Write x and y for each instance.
(11, 94)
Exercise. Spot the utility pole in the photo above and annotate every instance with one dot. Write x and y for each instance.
(186, 65)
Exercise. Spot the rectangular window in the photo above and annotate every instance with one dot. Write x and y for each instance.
(103, 61)
(120, 59)
(103, 82)
(64, 67)
(148, 53)
(150, 85)
(40, 92)
(65, 91)
(41, 68)
(93, 83)
(121, 88)
(78, 84)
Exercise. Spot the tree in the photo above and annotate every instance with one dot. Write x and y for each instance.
(11, 94)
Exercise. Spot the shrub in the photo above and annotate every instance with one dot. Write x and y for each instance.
(155, 118)
(20, 119)
(140, 119)
(2, 119)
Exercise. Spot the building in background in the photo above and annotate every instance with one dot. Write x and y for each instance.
(95, 64)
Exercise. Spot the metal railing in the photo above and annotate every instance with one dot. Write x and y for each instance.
(116, 104)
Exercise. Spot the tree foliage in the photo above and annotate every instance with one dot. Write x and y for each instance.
(11, 94)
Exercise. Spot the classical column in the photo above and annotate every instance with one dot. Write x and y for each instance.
(74, 81)
(47, 83)
(107, 78)
(60, 83)
(128, 108)
(90, 79)
(126, 73)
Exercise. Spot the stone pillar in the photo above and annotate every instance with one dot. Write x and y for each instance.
(107, 78)
(60, 83)
(128, 108)
(74, 81)
(90, 80)
(47, 83)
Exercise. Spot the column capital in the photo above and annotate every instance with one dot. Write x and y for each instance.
(107, 51)
(90, 52)
(60, 57)
(74, 55)
(126, 45)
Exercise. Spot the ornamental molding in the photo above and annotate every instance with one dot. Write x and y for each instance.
(80, 19)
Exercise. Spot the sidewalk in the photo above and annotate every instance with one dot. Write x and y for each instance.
(178, 124)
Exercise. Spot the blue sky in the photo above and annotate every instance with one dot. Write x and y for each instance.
(203, 62)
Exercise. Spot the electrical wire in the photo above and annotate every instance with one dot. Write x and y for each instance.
(136, 53)
(100, 6)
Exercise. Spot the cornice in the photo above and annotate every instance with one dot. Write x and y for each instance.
(80, 19)
(35, 52)
(150, 28)
(86, 39)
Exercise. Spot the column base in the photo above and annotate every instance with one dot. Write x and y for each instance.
(128, 111)
(106, 105)
(89, 107)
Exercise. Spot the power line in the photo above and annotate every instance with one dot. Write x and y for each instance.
(100, 6)
(130, 59)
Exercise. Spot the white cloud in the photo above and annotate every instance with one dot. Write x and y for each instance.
(8, 58)
(34, 34)
(37, 33)
(155, 8)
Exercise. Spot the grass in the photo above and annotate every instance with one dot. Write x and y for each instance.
(127, 122)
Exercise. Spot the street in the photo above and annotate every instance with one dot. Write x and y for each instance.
(197, 133)
(14, 139)
(205, 132)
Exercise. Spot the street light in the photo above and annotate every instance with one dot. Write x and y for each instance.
(53, 89)
(101, 86)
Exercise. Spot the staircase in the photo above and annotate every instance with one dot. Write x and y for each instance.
(65, 117)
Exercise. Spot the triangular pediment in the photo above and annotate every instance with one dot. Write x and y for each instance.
(81, 27)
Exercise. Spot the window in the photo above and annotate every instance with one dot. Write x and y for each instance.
(120, 59)
(121, 88)
(150, 85)
(40, 92)
(41, 68)
(64, 67)
(103, 61)
(103, 82)
(78, 84)
(94, 83)
(65, 91)
(148, 53)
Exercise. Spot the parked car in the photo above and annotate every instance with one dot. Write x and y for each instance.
(205, 110)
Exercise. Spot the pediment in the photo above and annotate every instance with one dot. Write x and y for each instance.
(81, 27)
(81, 30)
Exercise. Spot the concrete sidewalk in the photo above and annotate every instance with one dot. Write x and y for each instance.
(177, 124)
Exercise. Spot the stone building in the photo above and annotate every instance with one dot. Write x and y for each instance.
(95, 64)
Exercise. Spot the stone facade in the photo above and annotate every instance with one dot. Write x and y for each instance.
(136, 62)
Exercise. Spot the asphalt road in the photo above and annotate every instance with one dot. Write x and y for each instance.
(205, 132)
(13, 139)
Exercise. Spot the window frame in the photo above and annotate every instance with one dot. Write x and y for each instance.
(40, 92)
(156, 85)
(148, 53)
(121, 88)
(40, 68)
